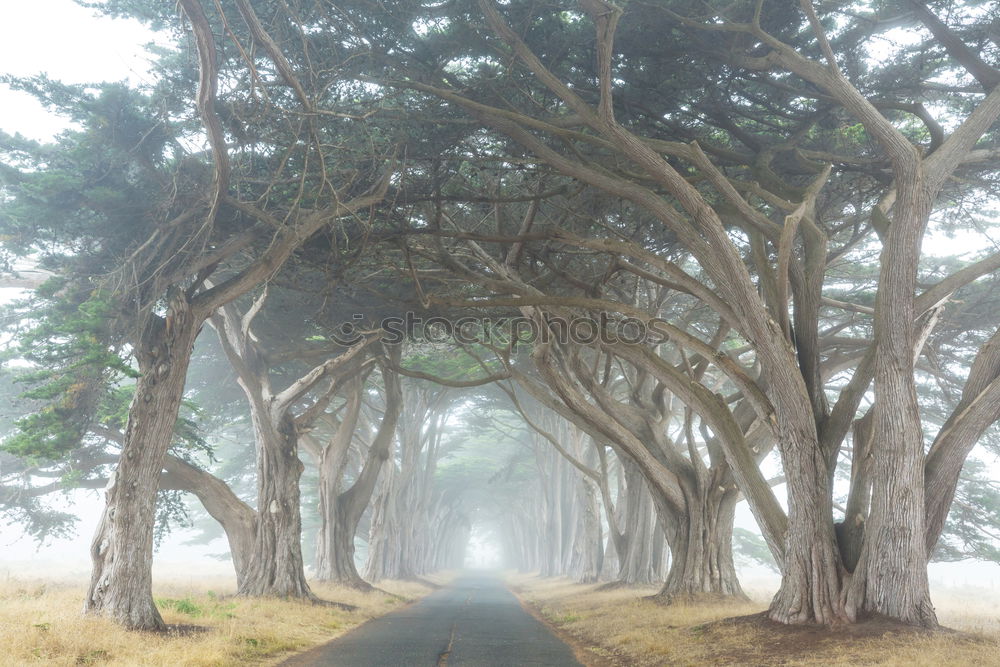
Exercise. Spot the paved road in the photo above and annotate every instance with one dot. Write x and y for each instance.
(473, 621)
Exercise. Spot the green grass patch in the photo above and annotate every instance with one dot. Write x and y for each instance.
(189, 607)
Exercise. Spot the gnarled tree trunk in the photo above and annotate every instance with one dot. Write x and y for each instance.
(332, 551)
(635, 543)
(122, 549)
(406, 517)
(350, 505)
(891, 577)
(701, 548)
(813, 575)
(275, 566)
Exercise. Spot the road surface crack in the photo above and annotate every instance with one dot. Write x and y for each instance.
(443, 657)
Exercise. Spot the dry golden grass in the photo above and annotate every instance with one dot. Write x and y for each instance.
(41, 623)
(619, 627)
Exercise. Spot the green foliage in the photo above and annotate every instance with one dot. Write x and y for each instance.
(35, 520)
(71, 366)
(750, 547)
(972, 530)
(445, 361)
(84, 201)
(76, 208)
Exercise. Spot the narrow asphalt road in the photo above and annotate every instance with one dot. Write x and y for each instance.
(474, 620)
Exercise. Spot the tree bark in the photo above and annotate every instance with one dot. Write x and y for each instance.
(701, 548)
(891, 578)
(406, 526)
(589, 546)
(340, 565)
(122, 548)
(813, 575)
(331, 461)
(350, 505)
(383, 559)
(275, 567)
(634, 543)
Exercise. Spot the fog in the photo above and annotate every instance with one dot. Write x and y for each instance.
(177, 558)
(229, 243)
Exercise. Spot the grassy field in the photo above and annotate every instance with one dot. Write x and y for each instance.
(41, 623)
(619, 627)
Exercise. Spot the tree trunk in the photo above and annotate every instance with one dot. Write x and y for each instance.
(548, 512)
(350, 505)
(122, 549)
(335, 549)
(346, 516)
(589, 543)
(569, 516)
(383, 560)
(891, 578)
(275, 566)
(660, 553)
(701, 547)
(332, 551)
(341, 565)
(813, 575)
(325, 546)
(636, 558)
(401, 541)
(609, 563)
(331, 460)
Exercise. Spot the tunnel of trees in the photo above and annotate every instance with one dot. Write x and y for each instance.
(354, 284)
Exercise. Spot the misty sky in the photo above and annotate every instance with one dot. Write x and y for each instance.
(67, 42)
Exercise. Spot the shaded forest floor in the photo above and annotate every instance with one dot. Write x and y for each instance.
(619, 627)
(41, 623)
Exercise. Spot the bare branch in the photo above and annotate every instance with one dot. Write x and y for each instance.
(987, 75)
(304, 384)
(273, 51)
